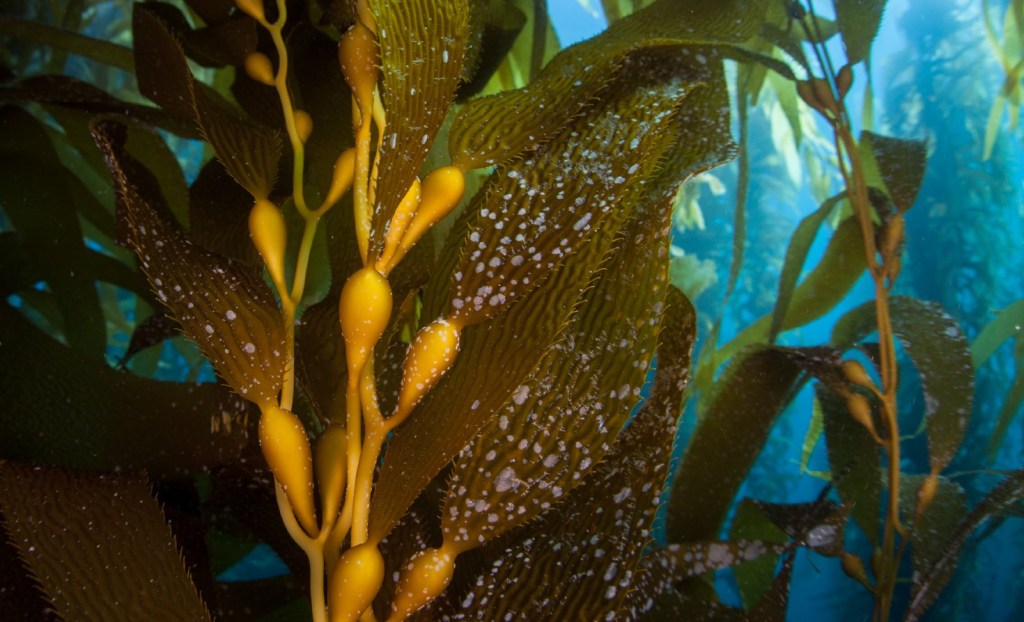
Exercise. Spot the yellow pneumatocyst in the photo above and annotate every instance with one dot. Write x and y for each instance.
(286, 447)
(431, 354)
(253, 8)
(440, 192)
(856, 374)
(341, 179)
(424, 577)
(364, 311)
(357, 56)
(354, 582)
(404, 214)
(258, 67)
(860, 410)
(269, 234)
(331, 466)
(303, 124)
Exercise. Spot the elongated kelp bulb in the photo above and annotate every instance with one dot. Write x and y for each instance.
(441, 191)
(424, 577)
(856, 374)
(341, 179)
(303, 124)
(354, 582)
(431, 353)
(399, 224)
(286, 448)
(364, 310)
(270, 236)
(331, 466)
(253, 8)
(258, 67)
(357, 56)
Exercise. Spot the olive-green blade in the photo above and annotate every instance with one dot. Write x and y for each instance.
(99, 545)
(224, 308)
(422, 49)
(584, 554)
(501, 127)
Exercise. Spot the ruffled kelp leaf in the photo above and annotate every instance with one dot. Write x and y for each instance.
(895, 164)
(93, 540)
(858, 22)
(21, 598)
(151, 331)
(216, 45)
(941, 355)
(561, 422)
(37, 195)
(490, 130)
(218, 210)
(248, 151)
(757, 386)
(422, 49)
(929, 580)
(661, 569)
(542, 209)
(493, 31)
(503, 354)
(99, 50)
(854, 461)
(580, 559)
(796, 255)
(121, 422)
(224, 308)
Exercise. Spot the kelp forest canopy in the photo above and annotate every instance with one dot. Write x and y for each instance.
(511, 310)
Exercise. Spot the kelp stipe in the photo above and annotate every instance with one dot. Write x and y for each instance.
(447, 415)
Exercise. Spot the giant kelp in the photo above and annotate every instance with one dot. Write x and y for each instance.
(453, 420)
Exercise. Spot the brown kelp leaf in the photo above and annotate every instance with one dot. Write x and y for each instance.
(491, 130)
(858, 22)
(501, 356)
(151, 331)
(541, 209)
(218, 210)
(932, 530)
(561, 422)
(895, 164)
(854, 461)
(494, 26)
(422, 48)
(580, 559)
(98, 544)
(248, 151)
(929, 582)
(120, 421)
(757, 386)
(224, 308)
(941, 355)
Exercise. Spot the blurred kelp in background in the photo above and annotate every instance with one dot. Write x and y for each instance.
(252, 372)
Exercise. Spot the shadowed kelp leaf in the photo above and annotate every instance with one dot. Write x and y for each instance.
(580, 560)
(224, 308)
(490, 130)
(854, 462)
(928, 582)
(858, 22)
(422, 48)
(151, 331)
(756, 387)
(751, 524)
(940, 353)
(95, 540)
(898, 163)
(932, 531)
(1009, 323)
(249, 152)
(117, 421)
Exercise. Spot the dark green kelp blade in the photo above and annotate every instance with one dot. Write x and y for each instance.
(98, 545)
(223, 307)
(66, 409)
